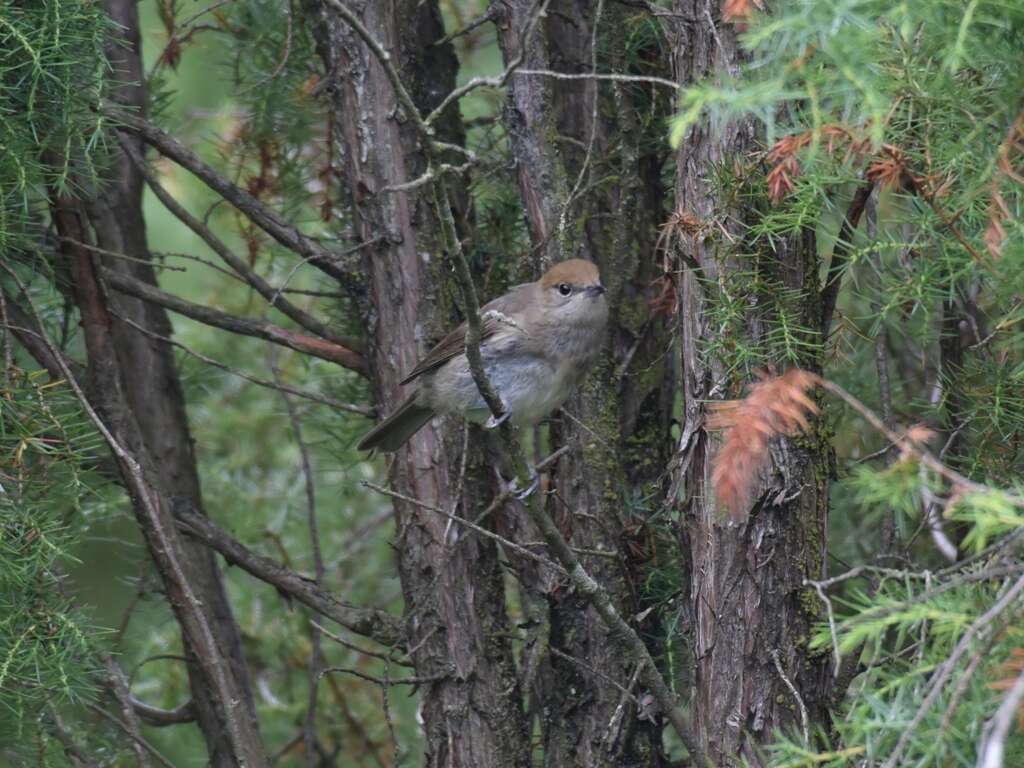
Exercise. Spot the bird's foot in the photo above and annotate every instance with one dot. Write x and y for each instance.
(521, 495)
(493, 423)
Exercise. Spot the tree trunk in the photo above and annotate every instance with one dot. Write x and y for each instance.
(747, 599)
(451, 579)
(135, 386)
(618, 424)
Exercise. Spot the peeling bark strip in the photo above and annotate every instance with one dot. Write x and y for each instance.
(747, 600)
(454, 596)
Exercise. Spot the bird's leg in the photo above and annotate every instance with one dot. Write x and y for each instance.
(494, 422)
(512, 486)
(520, 495)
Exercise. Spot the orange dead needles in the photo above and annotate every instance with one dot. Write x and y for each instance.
(775, 407)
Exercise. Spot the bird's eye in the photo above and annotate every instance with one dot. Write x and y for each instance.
(565, 289)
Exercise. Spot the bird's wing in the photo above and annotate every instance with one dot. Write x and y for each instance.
(454, 343)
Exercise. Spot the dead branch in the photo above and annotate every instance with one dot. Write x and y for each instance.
(369, 622)
(260, 329)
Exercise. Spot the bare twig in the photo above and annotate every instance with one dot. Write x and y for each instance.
(479, 21)
(260, 329)
(993, 736)
(5, 324)
(375, 624)
(627, 695)
(796, 695)
(284, 232)
(819, 587)
(844, 241)
(611, 731)
(913, 448)
(313, 396)
(158, 718)
(387, 682)
(77, 756)
(468, 523)
(313, 529)
(118, 684)
(358, 649)
(159, 756)
(536, 13)
(608, 76)
(239, 265)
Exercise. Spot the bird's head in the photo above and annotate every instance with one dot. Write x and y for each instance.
(572, 292)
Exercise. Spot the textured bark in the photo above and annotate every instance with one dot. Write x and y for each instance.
(625, 404)
(454, 595)
(135, 386)
(747, 598)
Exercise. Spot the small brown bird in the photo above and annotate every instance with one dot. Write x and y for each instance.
(538, 341)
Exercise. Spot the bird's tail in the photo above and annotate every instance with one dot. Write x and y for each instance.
(392, 433)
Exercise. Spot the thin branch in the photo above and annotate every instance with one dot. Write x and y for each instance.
(77, 756)
(313, 529)
(137, 739)
(421, 680)
(922, 455)
(945, 670)
(29, 335)
(796, 695)
(358, 649)
(260, 329)
(160, 718)
(837, 657)
(840, 252)
(375, 624)
(536, 13)
(239, 265)
(118, 684)
(993, 738)
(489, 15)
(313, 396)
(627, 695)
(259, 214)
(614, 77)
(468, 523)
(5, 324)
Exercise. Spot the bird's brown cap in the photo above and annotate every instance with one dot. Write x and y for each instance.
(579, 272)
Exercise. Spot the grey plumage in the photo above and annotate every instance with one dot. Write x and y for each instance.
(538, 342)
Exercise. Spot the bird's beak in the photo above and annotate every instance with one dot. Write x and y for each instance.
(595, 290)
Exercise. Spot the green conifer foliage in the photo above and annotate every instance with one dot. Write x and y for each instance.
(922, 104)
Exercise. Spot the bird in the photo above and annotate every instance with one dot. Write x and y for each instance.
(538, 342)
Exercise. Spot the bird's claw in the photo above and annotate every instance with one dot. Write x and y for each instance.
(521, 495)
(493, 423)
